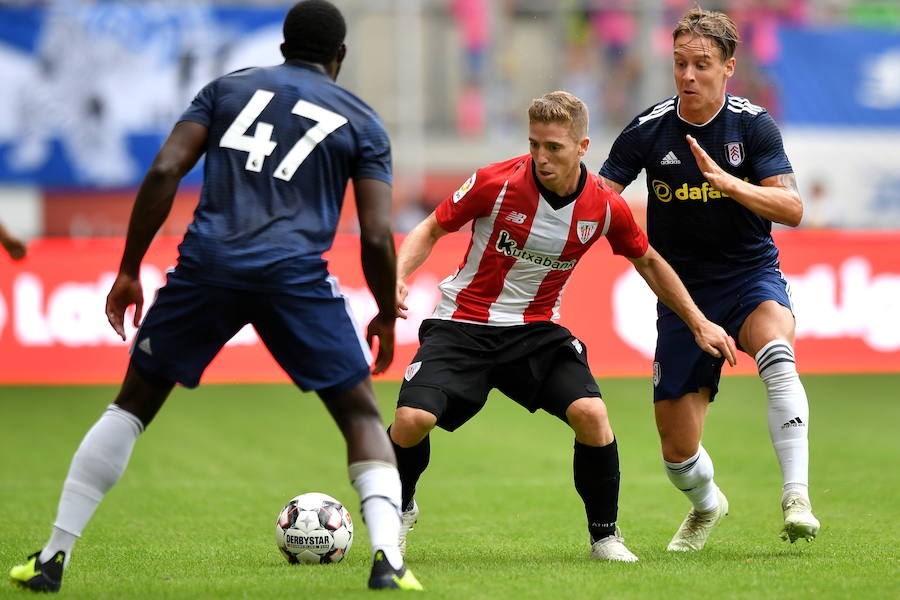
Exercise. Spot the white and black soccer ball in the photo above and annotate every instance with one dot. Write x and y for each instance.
(314, 528)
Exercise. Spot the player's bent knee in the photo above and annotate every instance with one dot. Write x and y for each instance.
(411, 425)
(589, 419)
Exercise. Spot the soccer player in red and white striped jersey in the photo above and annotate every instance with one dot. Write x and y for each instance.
(533, 217)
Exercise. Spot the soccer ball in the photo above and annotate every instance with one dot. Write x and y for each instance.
(314, 528)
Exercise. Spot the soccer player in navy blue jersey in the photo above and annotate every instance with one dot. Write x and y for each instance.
(717, 177)
(281, 144)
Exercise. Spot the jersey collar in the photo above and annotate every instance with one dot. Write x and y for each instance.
(306, 65)
(554, 199)
(711, 119)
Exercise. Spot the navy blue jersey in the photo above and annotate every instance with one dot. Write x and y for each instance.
(283, 142)
(704, 234)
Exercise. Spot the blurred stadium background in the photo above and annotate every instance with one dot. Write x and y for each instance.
(90, 89)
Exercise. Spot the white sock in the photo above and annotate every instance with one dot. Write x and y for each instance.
(788, 413)
(378, 485)
(694, 477)
(98, 463)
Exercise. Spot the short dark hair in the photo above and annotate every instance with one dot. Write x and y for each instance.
(313, 31)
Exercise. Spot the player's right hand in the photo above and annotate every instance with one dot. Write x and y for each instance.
(714, 340)
(381, 327)
(402, 293)
(126, 290)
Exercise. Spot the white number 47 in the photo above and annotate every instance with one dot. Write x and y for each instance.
(260, 144)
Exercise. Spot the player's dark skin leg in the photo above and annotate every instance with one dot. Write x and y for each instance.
(357, 416)
(140, 397)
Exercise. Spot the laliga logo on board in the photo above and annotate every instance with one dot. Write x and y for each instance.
(842, 302)
(72, 314)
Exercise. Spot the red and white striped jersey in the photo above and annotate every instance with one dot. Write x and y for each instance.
(522, 250)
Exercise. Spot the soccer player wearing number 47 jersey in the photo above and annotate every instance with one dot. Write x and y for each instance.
(533, 217)
(717, 177)
(281, 144)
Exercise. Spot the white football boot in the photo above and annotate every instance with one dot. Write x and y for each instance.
(799, 522)
(612, 548)
(694, 531)
(408, 518)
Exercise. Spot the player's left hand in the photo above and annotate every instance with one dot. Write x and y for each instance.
(715, 175)
(381, 327)
(126, 290)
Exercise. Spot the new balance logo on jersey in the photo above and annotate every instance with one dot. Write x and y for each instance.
(516, 217)
(144, 346)
(670, 159)
(508, 246)
(795, 422)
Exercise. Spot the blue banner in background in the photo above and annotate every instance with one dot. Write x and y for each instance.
(91, 90)
(839, 77)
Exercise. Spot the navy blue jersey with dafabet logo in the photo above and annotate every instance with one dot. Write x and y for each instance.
(283, 142)
(705, 235)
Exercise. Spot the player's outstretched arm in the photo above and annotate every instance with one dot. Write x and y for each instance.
(416, 247)
(776, 198)
(379, 263)
(667, 286)
(180, 152)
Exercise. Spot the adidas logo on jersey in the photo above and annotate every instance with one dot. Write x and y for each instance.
(516, 217)
(144, 346)
(670, 159)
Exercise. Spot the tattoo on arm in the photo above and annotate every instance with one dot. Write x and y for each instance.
(789, 182)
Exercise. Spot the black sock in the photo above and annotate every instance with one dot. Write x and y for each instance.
(411, 463)
(597, 482)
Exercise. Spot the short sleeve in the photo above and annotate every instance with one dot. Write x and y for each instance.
(625, 160)
(473, 199)
(766, 149)
(374, 159)
(625, 237)
(201, 109)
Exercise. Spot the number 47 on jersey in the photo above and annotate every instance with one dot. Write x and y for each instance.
(260, 144)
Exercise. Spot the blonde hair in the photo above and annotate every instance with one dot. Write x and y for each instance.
(561, 107)
(715, 26)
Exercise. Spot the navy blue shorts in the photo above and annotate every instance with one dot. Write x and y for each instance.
(308, 330)
(681, 367)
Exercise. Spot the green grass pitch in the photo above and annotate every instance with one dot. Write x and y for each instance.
(193, 516)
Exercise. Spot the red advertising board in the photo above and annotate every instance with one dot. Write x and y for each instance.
(845, 286)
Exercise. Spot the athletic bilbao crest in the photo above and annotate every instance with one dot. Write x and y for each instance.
(586, 230)
(734, 151)
(464, 188)
(412, 369)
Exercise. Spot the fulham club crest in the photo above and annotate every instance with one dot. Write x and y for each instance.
(734, 152)
(586, 230)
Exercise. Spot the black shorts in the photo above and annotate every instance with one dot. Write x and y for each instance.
(538, 365)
